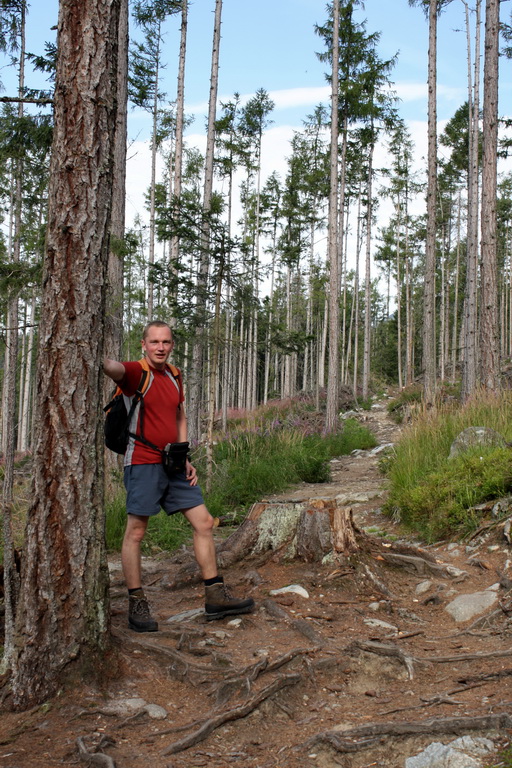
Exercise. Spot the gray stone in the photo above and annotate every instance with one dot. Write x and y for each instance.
(465, 607)
(464, 752)
(125, 707)
(350, 415)
(473, 437)
(185, 615)
(381, 449)
(155, 712)
(378, 624)
(423, 587)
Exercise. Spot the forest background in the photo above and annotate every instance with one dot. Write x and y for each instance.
(328, 273)
(273, 101)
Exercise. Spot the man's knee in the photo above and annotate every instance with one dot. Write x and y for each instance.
(135, 529)
(200, 519)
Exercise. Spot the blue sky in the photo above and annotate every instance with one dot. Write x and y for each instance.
(271, 44)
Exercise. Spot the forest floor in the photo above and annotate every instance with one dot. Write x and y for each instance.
(366, 670)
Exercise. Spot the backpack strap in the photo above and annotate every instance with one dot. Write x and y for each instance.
(176, 374)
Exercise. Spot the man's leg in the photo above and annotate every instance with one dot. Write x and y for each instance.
(219, 601)
(204, 548)
(139, 616)
(130, 552)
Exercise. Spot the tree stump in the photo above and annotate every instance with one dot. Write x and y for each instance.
(309, 530)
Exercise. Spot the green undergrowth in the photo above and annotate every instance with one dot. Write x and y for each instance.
(435, 495)
(503, 758)
(261, 453)
(253, 464)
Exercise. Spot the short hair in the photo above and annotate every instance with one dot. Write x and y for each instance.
(155, 324)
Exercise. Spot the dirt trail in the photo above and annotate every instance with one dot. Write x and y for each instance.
(371, 649)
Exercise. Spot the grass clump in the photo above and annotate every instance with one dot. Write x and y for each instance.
(255, 463)
(435, 495)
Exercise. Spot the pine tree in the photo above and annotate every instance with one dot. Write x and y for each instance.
(63, 608)
(489, 343)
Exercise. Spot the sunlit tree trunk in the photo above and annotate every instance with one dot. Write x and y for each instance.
(367, 280)
(180, 122)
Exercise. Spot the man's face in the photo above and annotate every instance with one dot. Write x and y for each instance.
(158, 346)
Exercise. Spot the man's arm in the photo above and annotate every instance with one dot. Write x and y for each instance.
(181, 423)
(114, 370)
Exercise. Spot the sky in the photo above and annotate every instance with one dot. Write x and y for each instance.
(272, 44)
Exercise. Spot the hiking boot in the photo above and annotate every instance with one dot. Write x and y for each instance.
(139, 617)
(220, 602)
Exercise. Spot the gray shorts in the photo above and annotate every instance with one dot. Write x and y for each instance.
(148, 489)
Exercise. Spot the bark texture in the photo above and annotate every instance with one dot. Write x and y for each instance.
(429, 316)
(63, 609)
(489, 326)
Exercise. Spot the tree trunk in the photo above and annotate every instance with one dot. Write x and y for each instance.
(152, 186)
(195, 375)
(114, 302)
(11, 582)
(429, 313)
(62, 625)
(331, 416)
(489, 341)
(367, 282)
(180, 122)
(115, 274)
(470, 358)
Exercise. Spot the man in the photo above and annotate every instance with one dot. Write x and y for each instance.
(148, 487)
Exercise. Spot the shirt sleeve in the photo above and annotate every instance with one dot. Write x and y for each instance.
(131, 380)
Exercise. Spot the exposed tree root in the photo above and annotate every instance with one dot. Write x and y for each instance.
(383, 649)
(181, 667)
(94, 758)
(242, 679)
(392, 651)
(488, 677)
(231, 714)
(300, 625)
(418, 564)
(354, 739)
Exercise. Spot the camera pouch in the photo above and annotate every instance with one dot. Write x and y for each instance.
(174, 458)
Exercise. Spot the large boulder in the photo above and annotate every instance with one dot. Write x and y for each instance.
(473, 437)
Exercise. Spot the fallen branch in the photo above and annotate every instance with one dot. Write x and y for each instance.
(231, 714)
(368, 734)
